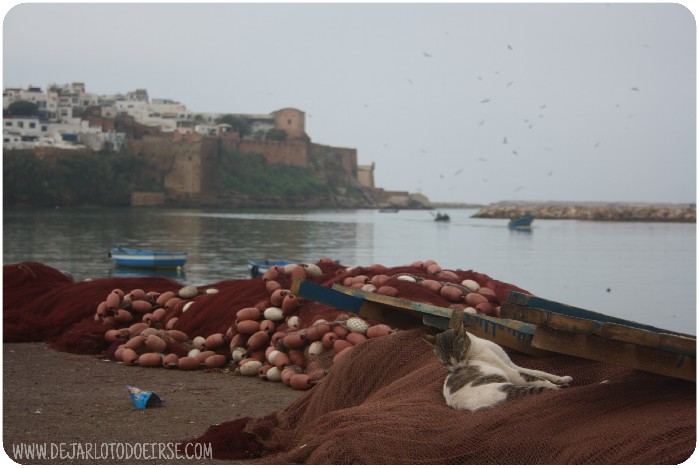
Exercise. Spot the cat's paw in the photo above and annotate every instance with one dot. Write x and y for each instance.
(564, 381)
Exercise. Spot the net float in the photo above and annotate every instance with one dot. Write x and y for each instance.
(431, 284)
(272, 286)
(164, 297)
(290, 303)
(155, 344)
(193, 353)
(108, 322)
(434, 269)
(152, 296)
(497, 311)
(427, 263)
(199, 342)
(258, 340)
(470, 310)
(451, 293)
(150, 331)
(281, 360)
(315, 332)
(172, 302)
(150, 360)
(471, 285)
(215, 361)
(119, 291)
(379, 280)
(262, 373)
(188, 292)
(137, 328)
(274, 313)
(117, 354)
(387, 291)
(123, 316)
(274, 374)
(187, 306)
(129, 356)
(232, 330)
(237, 354)
(113, 301)
(277, 297)
(348, 281)
(248, 313)
(407, 278)
(300, 382)
(271, 274)
(136, 294)
(267, 326)
(298, 272)
(248, 327)
(340, 331)
(102, 308)
(355, 338)
(297, 358)
(449, 275)
(276, 336)
(113, 335)
(488, 294)
(159, 314)
(204, 354)
(170, 361)
(188, 363)
(473, 299)
(356, 325)
(293, 322)
(272, 356)
(249, 367)
(214, 341)
(211, 291)
(239, 339)
(339, 345)
(294, 340)
(171, 323)
(312, 270)
(148, 319)
(376, 331)
(258, 354)
(417, 264)
(288, 372)
(357, 285)
(485, 308)
(136, 343)
(141, 307)
(316, 348)
(268, 351)
(287, 269)
(368, 288)
(177, 335)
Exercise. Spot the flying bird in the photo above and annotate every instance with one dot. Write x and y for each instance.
(409, 80)
(482, 159)
(597, 144)
(549, 174)
(519, 188)
(509, 46)
(515, 153)
(635, 89)
(543, 106)
(485, 100)
(504, 140)
(427, 55)
(458, 172)
(509, 84)
(481, 123)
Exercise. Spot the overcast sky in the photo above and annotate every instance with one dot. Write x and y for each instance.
(461, 102)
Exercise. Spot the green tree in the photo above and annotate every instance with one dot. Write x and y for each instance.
(23, 108)
(276, 134)
(240, 124)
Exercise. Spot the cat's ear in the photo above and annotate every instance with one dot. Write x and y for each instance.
(456, 321)
(430, 339)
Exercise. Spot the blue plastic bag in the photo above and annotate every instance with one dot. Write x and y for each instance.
(143, 399)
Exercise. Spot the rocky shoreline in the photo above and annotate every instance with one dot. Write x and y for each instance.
(593, 211)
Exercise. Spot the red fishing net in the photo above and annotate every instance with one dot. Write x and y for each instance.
(382, 402)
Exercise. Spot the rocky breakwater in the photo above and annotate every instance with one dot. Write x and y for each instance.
(685, 213)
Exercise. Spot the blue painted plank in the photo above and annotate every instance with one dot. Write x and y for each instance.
(328, 296)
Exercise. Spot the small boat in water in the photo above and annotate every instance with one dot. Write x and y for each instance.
(259, 267)
(521, 222)
(136, 258)
(388, 210)
(442, 217)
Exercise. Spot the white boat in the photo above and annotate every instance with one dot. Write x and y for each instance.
(136, 258)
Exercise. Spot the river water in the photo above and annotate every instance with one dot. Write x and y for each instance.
(639, 271)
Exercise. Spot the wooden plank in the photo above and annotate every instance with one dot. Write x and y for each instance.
(328, 296)
(562, 317)
(616, 352)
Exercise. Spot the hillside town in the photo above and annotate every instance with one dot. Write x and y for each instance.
(182, 145)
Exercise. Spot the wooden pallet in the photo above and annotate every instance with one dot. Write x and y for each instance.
(579, 332)
(405, 314)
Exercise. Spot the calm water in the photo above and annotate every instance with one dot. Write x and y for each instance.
(650, 268)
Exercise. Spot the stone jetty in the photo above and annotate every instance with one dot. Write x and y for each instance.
(592, 211)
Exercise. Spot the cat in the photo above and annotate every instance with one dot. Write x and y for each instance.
(480, 373)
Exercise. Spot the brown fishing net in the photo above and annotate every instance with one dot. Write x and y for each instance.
(382, 403)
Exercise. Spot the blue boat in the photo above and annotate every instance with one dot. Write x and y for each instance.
(522, 222)
(259, 267)
(135, 258)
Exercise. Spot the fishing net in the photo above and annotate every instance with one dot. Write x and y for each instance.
(382, 402)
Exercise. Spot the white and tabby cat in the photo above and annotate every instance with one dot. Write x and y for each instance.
(480, 373)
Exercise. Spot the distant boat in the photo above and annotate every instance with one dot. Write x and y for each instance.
(259, 267)
(522, 222)
(136, 258)
(442, 217)
(388, 210)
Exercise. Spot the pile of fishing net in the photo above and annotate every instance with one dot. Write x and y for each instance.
(382, 402)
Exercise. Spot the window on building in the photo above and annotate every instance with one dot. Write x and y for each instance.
(8, 124)
(44, 128)
(32, 124)
(20, 124)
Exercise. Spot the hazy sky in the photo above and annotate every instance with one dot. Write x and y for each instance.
(462, 102)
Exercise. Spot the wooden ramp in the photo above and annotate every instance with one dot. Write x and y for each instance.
(583, 333)
(532, 325)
